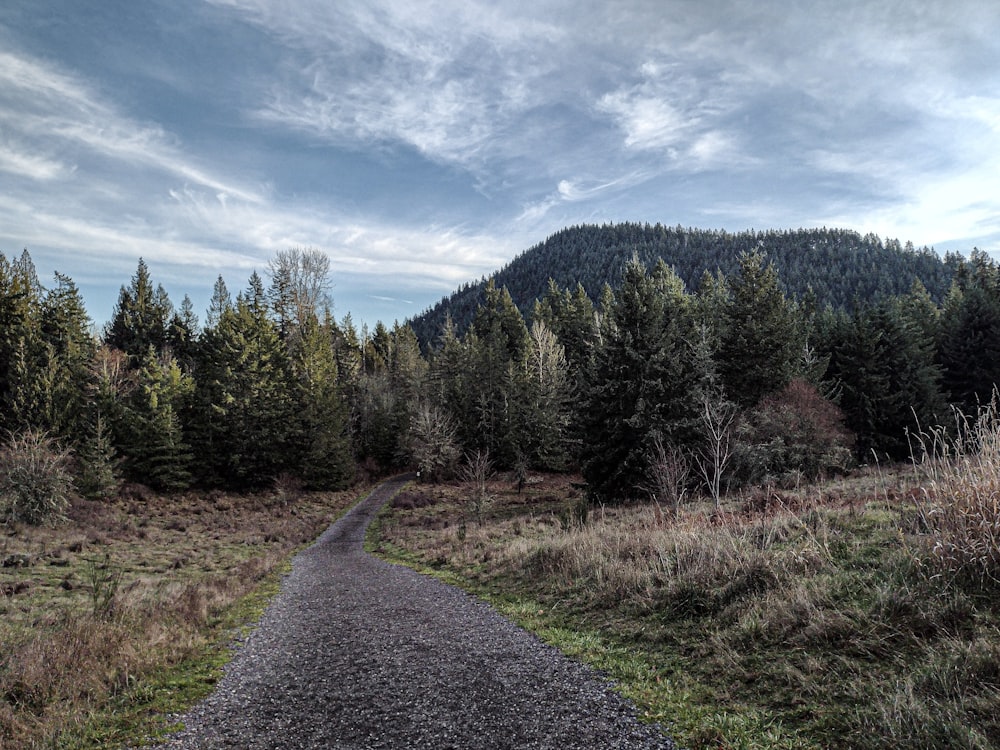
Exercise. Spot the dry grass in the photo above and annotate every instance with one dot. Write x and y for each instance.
(785, 619)
(91, 608)
(961, 498)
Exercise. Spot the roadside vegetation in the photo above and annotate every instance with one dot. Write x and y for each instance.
(859, 612)
(125, 612)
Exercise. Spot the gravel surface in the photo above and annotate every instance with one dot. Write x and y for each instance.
(357, 653)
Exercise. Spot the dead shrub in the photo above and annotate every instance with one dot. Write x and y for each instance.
(35, 481)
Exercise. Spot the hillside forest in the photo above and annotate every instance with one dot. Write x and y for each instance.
(653, 386)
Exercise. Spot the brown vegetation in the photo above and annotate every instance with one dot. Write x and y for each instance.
(94, 608)
(814, 617)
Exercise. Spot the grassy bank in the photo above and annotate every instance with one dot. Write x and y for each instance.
(126, 613)
(840, 615)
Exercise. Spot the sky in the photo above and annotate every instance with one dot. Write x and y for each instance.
(422, 145)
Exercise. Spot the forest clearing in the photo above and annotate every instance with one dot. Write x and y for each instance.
(713, 529)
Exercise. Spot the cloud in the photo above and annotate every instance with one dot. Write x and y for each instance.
(446, 80)
(18, 161)
(57, 112)
(430, 142)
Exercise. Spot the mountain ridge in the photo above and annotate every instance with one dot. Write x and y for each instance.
(838, 266)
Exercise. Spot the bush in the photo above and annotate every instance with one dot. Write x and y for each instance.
(35, 482)
(795, 432)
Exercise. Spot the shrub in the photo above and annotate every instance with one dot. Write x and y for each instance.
(35, 482)
(795, 432)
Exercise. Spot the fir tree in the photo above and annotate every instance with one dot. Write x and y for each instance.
(642, 384)
(244, 397)
(140, 318)
(759, 343)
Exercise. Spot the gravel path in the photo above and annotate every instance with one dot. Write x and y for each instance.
(357, 653)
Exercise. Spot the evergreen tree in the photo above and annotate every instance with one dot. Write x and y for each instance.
(140, 318)
(548, 408)
(66, 360)
(97, 476)
(889, 383)
(182, 334)
(221, 302)
(451, 382)
(497, 344)
(20, 341)
(327, 461)
(760, 340)
(156, 452)
(244, 397)
(571, 317)
(642, 384)
(969, 351)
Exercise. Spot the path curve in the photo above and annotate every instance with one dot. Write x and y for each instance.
(357, 653)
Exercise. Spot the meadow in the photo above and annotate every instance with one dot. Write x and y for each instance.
(124, 614)
(860, 612)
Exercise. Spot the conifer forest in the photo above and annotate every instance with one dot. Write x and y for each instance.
(623, 376)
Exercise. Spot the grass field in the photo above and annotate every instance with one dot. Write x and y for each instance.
(836, 615)
(126, 613)
(860, 613)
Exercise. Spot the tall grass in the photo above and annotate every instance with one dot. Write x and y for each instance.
(688, 564)
(960, 506)
(831, 611)
(128, 592)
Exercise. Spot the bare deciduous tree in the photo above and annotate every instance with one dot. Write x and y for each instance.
(669, 470)
(477, 472)
(433, 443)
(717, 417)
(300, 285)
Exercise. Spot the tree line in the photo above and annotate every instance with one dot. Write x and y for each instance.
(649, 388)
(835, 266)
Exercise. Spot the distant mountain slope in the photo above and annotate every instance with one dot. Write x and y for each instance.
(838, 265)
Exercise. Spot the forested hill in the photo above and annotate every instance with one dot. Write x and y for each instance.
(838, 265)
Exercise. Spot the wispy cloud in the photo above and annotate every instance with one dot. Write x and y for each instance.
(448, 80)
(427, 143)
(53, 109)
